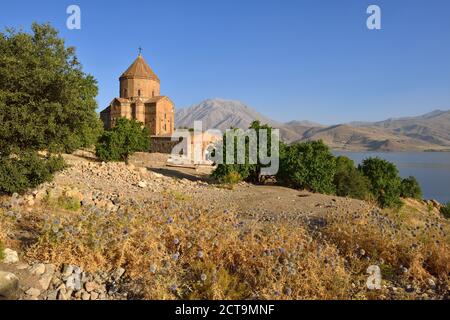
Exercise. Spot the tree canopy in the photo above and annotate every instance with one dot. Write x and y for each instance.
(46, 100)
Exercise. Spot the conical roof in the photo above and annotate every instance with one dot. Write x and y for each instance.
(140, 69)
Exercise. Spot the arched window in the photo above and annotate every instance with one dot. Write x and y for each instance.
(139, 92)
(153, 93)
(125, 93)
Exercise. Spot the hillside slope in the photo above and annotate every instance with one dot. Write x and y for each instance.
(427, 132)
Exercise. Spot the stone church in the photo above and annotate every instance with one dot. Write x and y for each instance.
(140, 99)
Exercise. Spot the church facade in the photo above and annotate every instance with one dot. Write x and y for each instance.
(140, 99)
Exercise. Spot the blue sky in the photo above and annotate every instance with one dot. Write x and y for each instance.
(311, 59)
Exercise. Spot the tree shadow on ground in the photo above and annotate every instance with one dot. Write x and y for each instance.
(183, 174)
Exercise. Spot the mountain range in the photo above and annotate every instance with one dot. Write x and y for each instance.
(428, 132)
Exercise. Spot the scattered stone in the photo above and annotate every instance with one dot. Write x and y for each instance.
(22, 266)
(90, 286)
(94, 295)
(47, 277)
(73, 282)
(77, 270)
(10, 256)
(9, 284)
(142, 184)
(119, 273)
(63, 294)
(33, 292)
(67, 270)
(37, 269)
(85, 296)
(52, 295)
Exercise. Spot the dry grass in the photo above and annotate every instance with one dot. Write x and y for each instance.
(411, 238)
(183, 252)
(172, 249)
(5, 227)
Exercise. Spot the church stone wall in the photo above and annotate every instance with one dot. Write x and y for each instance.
(164, 117)
(160, 144)
(129, 88)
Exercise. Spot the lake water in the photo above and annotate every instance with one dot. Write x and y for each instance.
(431, 169)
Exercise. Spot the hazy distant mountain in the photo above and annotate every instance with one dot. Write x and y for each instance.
(225, 114)
(427, 132)
(219, 114)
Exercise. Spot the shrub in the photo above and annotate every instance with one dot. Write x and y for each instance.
(445, 210)
(27, 170)
(384, 180)
(126, 138)
(232, 177)
(309, 165)
(69, 203)
(350, 182)
(410, 188)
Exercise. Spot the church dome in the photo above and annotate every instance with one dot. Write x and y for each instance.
(139, 69)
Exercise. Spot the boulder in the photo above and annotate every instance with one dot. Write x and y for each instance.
(9, 284)
(10, 256)
(37, 269)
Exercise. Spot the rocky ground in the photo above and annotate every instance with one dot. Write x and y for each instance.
(105, 188)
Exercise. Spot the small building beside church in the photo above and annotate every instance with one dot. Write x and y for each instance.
(140, 99)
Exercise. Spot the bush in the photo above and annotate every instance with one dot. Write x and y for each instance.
(27, 170)
(349, 182)
(445, 210)
(232, 177)
(309, 165)
(126, 138)
(384, 181)
(410, 188)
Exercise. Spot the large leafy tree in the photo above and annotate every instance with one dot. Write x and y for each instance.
(46, 100)
(248, 170)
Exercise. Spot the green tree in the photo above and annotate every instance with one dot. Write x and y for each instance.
(46, 100)
(46, 103)
(247, 171)
(384, 180)
(349, 181)
(126, 138)
(309, 165)
(410, 188)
